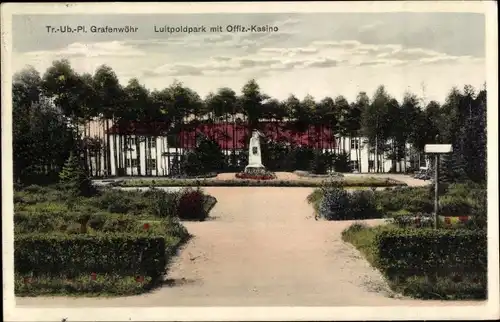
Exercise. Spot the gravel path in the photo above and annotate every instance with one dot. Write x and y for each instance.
(262, 248)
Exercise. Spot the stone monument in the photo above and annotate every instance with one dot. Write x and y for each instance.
(254, 156)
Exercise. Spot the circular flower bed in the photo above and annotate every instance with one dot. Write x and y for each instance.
(256, 174)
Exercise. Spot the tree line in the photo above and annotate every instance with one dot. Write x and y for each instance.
(52, 113)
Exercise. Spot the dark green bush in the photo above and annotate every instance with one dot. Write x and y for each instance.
(98, 221)
(454, 206)
(73, 255)
(362, 205)
(302, 157)
(408, 252)
(75, 178)
(335, 204)
(341, 163)
(320, 163)
(206, 157)
(192, 205)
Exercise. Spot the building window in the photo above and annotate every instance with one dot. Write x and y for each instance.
(151, 164)
(355, 144)
(130, 143)
(135, 163)
(151, 143)
(354, 164)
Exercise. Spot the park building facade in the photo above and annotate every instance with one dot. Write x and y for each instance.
(140, 149)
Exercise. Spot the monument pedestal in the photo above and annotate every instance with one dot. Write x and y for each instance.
(254, 156)
(254, 167)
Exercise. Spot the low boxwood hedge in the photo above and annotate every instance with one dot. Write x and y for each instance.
(82, 254)
(425, 263)
(428, 252)
(87, 285)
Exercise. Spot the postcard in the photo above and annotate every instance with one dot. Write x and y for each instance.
(250, 161)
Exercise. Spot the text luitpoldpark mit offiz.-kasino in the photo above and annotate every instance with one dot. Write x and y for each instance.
(218, 28)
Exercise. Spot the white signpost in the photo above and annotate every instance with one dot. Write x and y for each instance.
(437, 149)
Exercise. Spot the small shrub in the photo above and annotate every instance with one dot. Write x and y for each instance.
(341, 163)
(454, 206)
(191, 205)
(165, 206)
(174, 228)
(98, 221)
(362, 205)
(74, 177)
(319, 163)
(335, 204)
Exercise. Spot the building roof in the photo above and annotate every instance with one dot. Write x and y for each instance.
(232, 135)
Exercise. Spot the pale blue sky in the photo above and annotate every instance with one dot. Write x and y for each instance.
(317, 54)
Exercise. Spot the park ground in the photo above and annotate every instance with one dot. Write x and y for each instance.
(262, 247)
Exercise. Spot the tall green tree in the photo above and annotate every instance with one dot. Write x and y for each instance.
(42, 138)
(110, 101)
(136, 109)
(374, 122)
(251, 101)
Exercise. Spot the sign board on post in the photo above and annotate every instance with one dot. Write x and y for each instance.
(437, 149)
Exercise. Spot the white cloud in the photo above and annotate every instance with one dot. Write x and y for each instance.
(100, 49)
(214, 58)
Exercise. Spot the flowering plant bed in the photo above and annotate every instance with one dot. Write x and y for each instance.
(256, 174)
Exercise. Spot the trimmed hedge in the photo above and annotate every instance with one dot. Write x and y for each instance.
(81, 254)
(362, 182)
(428, 252)
(423, 263)
(103, 285)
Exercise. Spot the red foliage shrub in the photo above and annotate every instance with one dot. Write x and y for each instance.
(191, 205)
